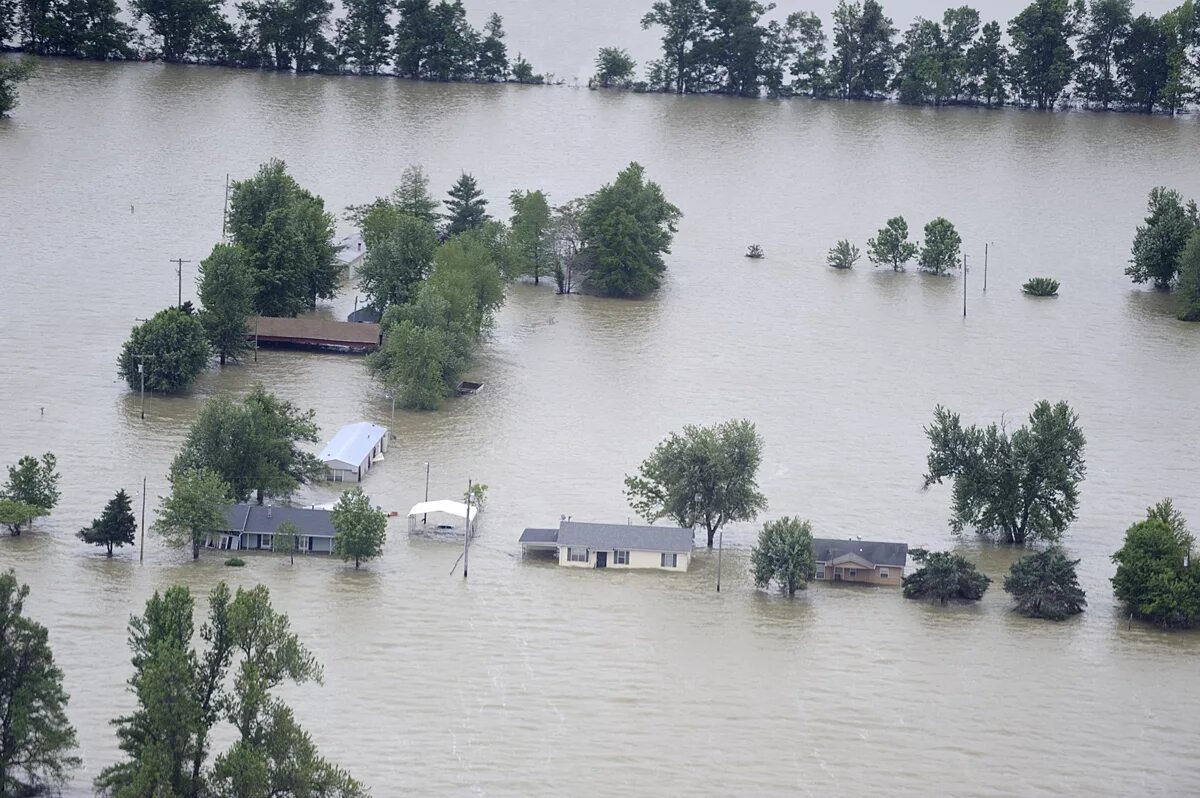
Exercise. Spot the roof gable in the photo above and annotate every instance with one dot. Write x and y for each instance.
(257, 519)
(868, 552)
(625, 536)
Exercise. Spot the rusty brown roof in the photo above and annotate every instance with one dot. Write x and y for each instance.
(315, 329)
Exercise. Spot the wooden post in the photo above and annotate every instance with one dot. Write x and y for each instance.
(720, 548)
(467, 531)
(142, 553)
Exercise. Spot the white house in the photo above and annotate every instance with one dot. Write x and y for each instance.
(585, 545)
(351, 251)
(353, 450)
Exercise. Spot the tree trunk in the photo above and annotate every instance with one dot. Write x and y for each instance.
(110, 548)
(195, 549)
(222, 357)
(356, 563)
(259, 495)
(712, 533)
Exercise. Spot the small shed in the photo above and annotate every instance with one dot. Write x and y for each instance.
(443, 512)
(353, 451)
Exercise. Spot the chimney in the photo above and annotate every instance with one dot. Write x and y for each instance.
(268, 511)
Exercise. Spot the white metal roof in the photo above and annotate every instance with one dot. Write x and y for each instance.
(352, 444)
(447, 506)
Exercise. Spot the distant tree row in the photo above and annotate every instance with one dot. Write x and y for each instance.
(1099, 54)
(417, 39)
(1166, 250)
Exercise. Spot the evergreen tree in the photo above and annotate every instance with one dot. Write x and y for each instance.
(492, 58)
(987, 67)
(943, 577)
(413, 33)
(361, 530)
(36, 739)
(1159, 242)
(684, 24)
(1044, 585)
(466, 208)
(1042, 61)
(116, 525)
(1104, 28)
(365, 35)
(224, 288)
(453, 44)
(940, 252)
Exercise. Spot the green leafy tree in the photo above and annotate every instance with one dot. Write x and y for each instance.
(184, 27)
(614, 67)
(116, 525)
(287, 34)
(30, 491)
(706, 476)
(12, 73)
(426, 347)
(891, 246)
(1189, 279)
(254, 447)
(397, 264)
(809, 67)
(735, 47)
(1158, 244)
(522, 71)
(1181, 26)
(1042, 62)
(194, 510)
(1044, 585)
(864, 53)
(627, 226)
(1143, 62)
(1104, 28)
(364, 37)
(288, 238)
(361, 530)
(531, 240)
(466, 274)
(843, 255)
(943, 577)
(1041, 286)
(940, 252)
(987, 67)
(466, 208)
(285, 538)
(227, 293)
(684, 24)
(36, 739)
(784, 554)
(171, 346)
(492, 56)
(1166, 512)
(1016, 489)
(1157, 579)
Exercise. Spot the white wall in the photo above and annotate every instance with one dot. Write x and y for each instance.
(637, 559)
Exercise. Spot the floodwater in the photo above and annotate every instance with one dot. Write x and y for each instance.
(527, 679)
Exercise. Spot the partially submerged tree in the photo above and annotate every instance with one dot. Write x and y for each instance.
(784, 555)
(940, 252)
(1040, 286)
(227, 294)
(704, 476)
(12, 73)
(1159, 242)
(361, 530)
(1158, 578)
(614, 67)
(171, 346)
(285, 538)
(1044, 585)
(843, 255)
(254, 446)
(466, 208)
(398, 262)
(1189, 280)
(116, 525)
(31, 491)
(891, 246)
(944, 576)
(1016, 488)
(36, 739)
(531, 242)
(194, 509)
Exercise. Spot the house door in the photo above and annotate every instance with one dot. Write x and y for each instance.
(602, 559)
(837, 574)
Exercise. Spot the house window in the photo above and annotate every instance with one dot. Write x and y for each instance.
(669, 559)
(883, 573)
(577, 555)
(820, 571)
(620, 557)
(851, 573)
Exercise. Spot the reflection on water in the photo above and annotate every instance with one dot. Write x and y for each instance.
(527, 677)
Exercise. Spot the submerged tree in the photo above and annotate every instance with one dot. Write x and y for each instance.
(172, 348)
(227, 294)
(941, 251)
(1104, 28)
(684, 24)
(285, 538)
(12, 73)
(116, 525)
(1042, 62)
(531, 243)
(1044, 585)
(784, 554)
(614, 67)
(706, 477)
(1189, 279)
(943, 577)
(1159, 242)
(864, 53)
(1157, 577)
(891, 245)
(36, 739)
(1016, 489)
(397, 263)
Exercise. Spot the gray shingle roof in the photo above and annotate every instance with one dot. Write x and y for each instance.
(539, 536)
(261, 520)
(879, 553)
(603, 537)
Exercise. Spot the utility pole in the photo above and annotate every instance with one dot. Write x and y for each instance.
(425, 518)
(179, 271)
(142, 358)
(256, 318)
(225, 210)
(467, 531)
(964, 286)
(142, 553)
(720, 548)
(985, 260)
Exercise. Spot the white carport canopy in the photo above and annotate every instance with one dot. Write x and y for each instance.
(457, 509)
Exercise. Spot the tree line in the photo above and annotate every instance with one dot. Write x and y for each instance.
(418, 39)
(1098, 55)
(940, 253)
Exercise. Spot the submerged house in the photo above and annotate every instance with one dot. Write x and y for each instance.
(253, 526)
(353, 451)
(586, 545)
(865, 561)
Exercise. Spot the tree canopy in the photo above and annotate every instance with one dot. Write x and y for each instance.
(843, 255)
(784, 555)
(1159, 243)
(614, 67)
(940, 252)
(1189, 279)
(193, 510)
(1044, 585)
(171, 346)
(891, 246)
(397, 263)
(116, 525)
(627, 226)
(1013, 488)
(531, 239)
(253, 446)
(466, 209)
(361, 530)
(31, 491)
(12, 73)
(226, 291)
(1158, 578)
(36, 739)
(1042, 61)
(704, 476)
(944, 576)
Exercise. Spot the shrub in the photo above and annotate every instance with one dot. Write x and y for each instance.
(945, 576)
(843, 255)
(1041, 286)
(235, 562)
